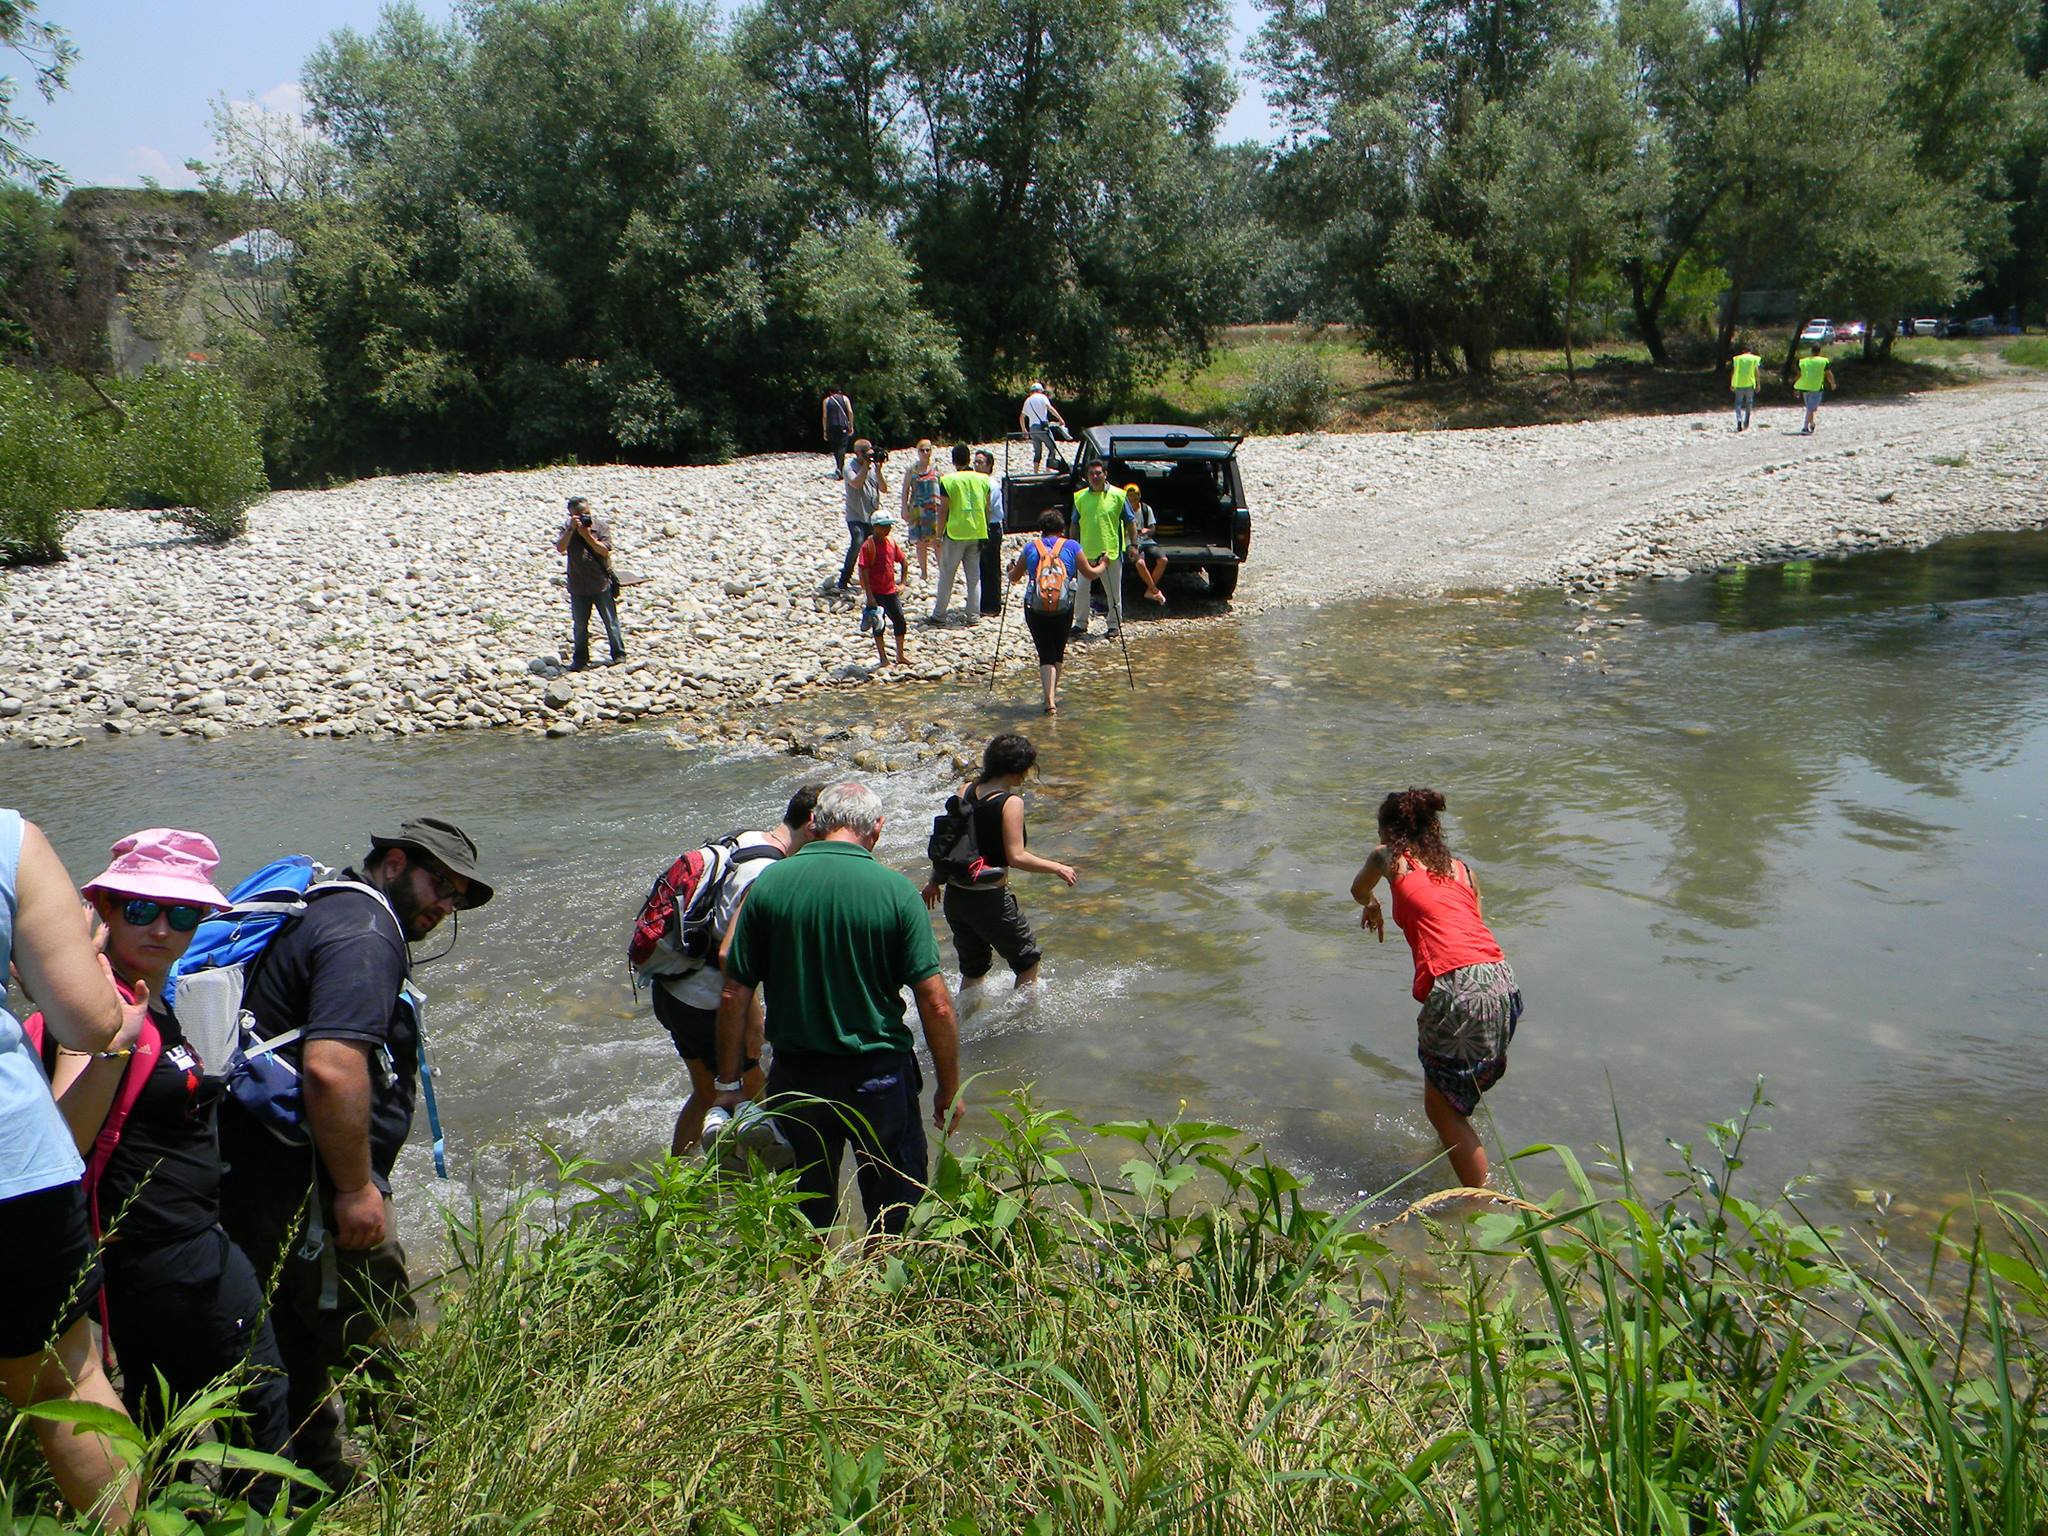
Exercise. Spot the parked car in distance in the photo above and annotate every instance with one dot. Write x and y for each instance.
(1983, 325)
(1851, 330)
(1927, 325)
(1817, 331)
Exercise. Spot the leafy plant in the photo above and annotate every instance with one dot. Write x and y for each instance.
(188, 449)
(1292, 390)
(1144, 1326)
(51, 466)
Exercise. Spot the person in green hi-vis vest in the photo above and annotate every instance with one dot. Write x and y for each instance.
(1742, 379)
(1816, 377)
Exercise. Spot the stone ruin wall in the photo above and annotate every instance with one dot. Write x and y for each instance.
(138, 251)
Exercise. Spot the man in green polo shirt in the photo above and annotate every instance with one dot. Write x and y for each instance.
(1742, 379)
(1816, 377)
(963, 524)
(1099, 524)
(835, 937)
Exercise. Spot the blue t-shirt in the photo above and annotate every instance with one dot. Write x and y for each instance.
(1069, 554)
(36, 1150)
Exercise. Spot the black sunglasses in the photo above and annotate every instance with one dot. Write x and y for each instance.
(141, 912)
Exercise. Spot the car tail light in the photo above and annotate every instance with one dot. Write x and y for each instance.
(1241, 538)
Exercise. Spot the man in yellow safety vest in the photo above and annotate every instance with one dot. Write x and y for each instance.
(1816, 377)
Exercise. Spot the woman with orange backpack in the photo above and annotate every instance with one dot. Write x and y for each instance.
(1054, 566)
(180, 1299)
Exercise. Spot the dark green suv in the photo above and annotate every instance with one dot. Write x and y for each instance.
(1191, 482)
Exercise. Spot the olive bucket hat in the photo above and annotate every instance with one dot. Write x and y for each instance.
(444, 841)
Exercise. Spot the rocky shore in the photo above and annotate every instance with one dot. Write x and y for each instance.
(423, 603)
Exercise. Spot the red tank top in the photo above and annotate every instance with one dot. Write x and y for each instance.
(1440, 916)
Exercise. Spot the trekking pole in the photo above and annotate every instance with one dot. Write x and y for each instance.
(1120, 640)
(1002, 616)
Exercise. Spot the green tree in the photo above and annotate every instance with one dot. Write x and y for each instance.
(856, 293)
(188, 448)
(1831, 197)
(1594, 170)
(1062, 212)
(1827, 145)
(1409, 142)
(50, 467)
(1968, 88)
(842, 71)
(49, 54)
(561, 219)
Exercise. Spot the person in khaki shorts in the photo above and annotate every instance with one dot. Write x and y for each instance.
(1816, 377)
(321, 1221)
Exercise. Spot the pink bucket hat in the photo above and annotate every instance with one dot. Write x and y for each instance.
(166, 864)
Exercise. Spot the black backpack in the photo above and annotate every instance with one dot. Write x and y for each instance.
(955, 849)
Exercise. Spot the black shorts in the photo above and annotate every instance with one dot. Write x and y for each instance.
(694, 1030)
(891, 604)
(51, 1277)
(1049, 632)
(987, 923)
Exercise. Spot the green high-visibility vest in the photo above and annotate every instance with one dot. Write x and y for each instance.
(1813, 373)
(1746, 365)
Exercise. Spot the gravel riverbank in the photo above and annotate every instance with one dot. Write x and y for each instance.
(422, 603)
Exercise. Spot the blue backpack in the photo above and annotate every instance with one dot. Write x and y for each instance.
(207, 985)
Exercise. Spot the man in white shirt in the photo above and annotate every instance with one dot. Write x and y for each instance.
(1035, 420)
(687, 1006)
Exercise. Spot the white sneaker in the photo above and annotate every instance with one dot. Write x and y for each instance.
(715, 1122)
(755, 1137)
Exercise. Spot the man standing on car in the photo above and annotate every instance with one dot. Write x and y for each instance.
(834, 937)
(320, 1220)
(1099, 522)
(1035, 420)
(1816, 377)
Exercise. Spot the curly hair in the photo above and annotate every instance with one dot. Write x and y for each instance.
(1409, 827)
(1007, 753)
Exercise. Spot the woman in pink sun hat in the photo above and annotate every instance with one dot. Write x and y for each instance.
(180, 1298)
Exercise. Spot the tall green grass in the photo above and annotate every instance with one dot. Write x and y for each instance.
(1145, 1327)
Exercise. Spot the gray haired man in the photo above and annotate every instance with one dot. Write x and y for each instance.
(834, 937)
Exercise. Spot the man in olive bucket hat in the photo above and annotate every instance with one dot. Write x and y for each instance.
(341, 974)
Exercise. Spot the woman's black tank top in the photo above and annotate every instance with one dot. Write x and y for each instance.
(988, 824)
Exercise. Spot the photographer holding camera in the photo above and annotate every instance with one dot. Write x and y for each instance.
(866, 484)
(587, 541)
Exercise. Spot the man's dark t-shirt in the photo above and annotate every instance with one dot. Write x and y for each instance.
(590, 573)
(336, 973)
(162, 1181)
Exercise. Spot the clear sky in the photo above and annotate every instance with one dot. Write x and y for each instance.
(148, 71)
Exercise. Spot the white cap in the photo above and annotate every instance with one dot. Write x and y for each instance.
(1037, 388)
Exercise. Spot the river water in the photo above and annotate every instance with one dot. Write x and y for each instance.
(1791, 825)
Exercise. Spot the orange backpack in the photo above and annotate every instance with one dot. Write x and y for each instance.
(1052, 586)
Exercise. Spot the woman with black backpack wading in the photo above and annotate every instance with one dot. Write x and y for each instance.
(1055, 566)
(980, 907)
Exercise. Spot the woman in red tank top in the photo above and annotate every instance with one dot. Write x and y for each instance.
(1470, 1004)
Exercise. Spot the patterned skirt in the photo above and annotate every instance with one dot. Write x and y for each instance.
(1464, 1029)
